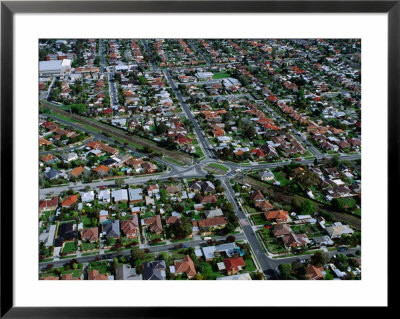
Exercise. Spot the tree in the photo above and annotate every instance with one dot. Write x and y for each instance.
(285, 271)
(307, 207)
(181, 228)
(137, 254)
(319, 259)
(119, 182)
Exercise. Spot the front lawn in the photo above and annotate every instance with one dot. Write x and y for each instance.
(258, 219)
(89, 246)
(69, 247)
(249, 264)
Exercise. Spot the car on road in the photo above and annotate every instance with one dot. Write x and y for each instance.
(102, 187)
(220, 161)
(185, 246)
(341, 249)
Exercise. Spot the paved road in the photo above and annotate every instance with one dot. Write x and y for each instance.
(152, 64)
(152, 249)
(205, 145)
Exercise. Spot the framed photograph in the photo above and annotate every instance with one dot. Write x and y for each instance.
(215, 148)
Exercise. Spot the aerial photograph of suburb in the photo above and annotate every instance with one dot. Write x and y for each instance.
(199, 159)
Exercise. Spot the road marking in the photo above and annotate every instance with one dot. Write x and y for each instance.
(244, 222)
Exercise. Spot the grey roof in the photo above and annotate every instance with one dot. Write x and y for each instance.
(245, 276)
(54, 65)
(126, 272)
(112, 229)
(154, 270)
(53, 174)
(120, 194)
(207, 186)
(214, 213)
(135, 194)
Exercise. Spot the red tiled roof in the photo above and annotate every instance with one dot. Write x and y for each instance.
(234, 263)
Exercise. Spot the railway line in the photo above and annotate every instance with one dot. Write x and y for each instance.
(120, 134)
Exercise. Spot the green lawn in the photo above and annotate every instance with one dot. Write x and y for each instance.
(221, 75)
(69, 247)
(281, 178)
(88, 246)
(250, 210)
(219, 166)
(199, 152)
(173, 161)
(258, 219)
(249, 264)
(273, 245)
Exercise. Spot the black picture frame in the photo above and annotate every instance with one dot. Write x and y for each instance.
(9, 8)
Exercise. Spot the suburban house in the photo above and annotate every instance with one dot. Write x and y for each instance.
(120, 195)
(48, 204)
(213, 213)
(135, 195)
(69, 201)
(208, 199)
(209, 224)
(87, 196)
(154, 270)
(266, 175)
(337, 230)
(104, 195)
(244, 276)
(153, 224)
(278, 216)
(315, 273)
(233, 265)
(184, 266)
(77, 171)
(295, 240)
(281, 230)
(126, 272)
(130, 227)
(66, 232)
(111, 229)
(95, 275)
(90, 234)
